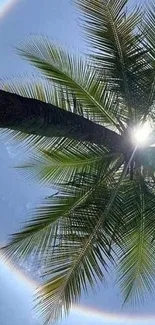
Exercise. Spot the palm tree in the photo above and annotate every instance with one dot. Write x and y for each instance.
(81, 117)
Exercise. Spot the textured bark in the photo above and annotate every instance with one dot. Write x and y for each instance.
(32, 116)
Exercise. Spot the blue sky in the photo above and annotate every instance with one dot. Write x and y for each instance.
(56, 19)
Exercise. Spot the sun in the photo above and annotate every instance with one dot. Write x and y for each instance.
(140, 134)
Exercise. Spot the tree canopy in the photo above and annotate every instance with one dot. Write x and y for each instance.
(80, 118)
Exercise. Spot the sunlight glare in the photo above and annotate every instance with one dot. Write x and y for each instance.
(141, 134)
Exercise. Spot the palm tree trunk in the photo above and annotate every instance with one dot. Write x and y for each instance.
(32, 116)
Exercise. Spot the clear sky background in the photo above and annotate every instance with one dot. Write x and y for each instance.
(58, 20)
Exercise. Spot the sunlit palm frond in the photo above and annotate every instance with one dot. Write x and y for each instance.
(71, 269)
(75, 74)
(112, 32)
(42, 229)
(136, 267)
(83, 255)
(37, 235)
(60, 165)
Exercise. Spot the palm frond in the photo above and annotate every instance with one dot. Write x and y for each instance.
(75, 74)
(83, 255)
(112, 32)
(60, 165)
(43, 226)
(148, 28)
(42, 229)
(136, 267)
(148, 31)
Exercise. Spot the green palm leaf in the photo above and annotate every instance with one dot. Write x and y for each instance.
(149, 29)
(112, 33)
(136, 266)
(76, 75)
(60, 166)
(75, 259)
(81, 254)
(43, 227)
